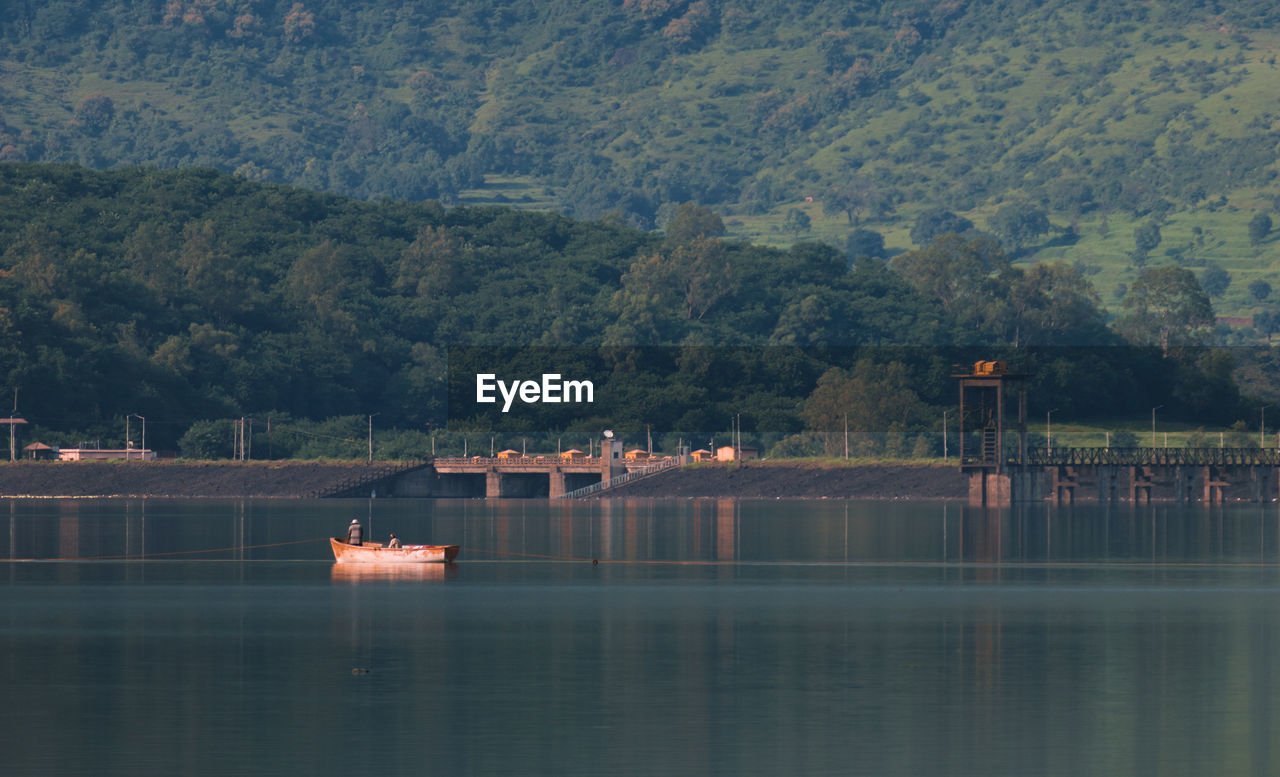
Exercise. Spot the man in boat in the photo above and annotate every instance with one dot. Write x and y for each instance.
(394, 542)
(355, 532)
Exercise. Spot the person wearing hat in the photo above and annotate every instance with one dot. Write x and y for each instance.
(394, 542)
(355, 533)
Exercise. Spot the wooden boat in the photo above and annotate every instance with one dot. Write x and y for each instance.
(405, 554)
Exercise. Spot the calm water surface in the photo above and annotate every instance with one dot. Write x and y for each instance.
(714, 637)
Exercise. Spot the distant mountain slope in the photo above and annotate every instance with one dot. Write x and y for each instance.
(798, 119)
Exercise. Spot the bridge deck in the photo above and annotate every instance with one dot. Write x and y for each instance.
(1153, 457)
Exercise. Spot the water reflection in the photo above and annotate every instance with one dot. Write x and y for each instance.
(800, 638)
(372, 573)
(640, 530)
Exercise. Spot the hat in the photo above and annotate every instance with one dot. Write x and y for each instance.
(355, 520)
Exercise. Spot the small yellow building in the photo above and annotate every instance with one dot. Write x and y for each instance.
(729, 453)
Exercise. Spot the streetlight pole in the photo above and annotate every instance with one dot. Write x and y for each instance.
(371, 415)
(944, 435)
(1262, 432)
(1153, 425)
(1048, 430)
(144, 437)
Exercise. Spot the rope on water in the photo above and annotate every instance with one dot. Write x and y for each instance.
(143, 556)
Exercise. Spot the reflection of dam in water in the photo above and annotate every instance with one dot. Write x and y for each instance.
(661, 531)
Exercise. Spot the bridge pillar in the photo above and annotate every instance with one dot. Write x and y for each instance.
(556, 486)
(492, 484)
(1108, 484)
(1062, 483)
(1215, 485)
(1262, 483)
(1140, 485)
(988, 488)
(1183, 484)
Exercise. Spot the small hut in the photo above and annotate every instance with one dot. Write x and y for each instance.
(572, 453)
(508, 454)
(702, 454)
(730, 453)
(637, 454)
(38, 451)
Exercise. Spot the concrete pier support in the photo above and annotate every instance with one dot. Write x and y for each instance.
(493, 484)
(1215, 485)
(988, 488)
(1140, 485)
(1108, 484)
(1184, 485)
(1062, 484)
(556, 486)
(1262, 477)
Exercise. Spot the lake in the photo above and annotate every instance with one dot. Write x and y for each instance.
(640, 637)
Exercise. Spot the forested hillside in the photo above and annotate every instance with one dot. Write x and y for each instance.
(191, 296)
(1113, 136)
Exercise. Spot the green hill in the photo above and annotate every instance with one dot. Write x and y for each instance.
(189, 296)
(1106, 117)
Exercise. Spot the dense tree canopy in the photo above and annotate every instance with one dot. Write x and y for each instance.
(191, 295)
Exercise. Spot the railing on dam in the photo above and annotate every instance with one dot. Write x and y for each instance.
(1153, 457)
(517, 461)
(632, 475)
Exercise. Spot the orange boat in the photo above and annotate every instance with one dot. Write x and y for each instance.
(405, 554)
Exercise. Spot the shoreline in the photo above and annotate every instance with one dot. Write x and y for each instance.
(776, 480)
(307, 479)
(176, 480)
(312, 479)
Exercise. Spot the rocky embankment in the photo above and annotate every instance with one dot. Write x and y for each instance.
(794, 481)
(297, 479)
(176, 479)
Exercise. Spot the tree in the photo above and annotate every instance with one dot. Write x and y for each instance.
(1267, 322)
(1166, 306)
(689, 280)
(299, 24)
(796, 222)
(1123, 438)
(691, 221)
(1146, 236)
(1259, 228)
(1214, 280)
(952, 271)
(854, 197)
(1054, 304)
(434, 266)
(1018, 223)
(936, 222)
(206, 440)
(95, 113)
(864, 242)
(873, 399)
(1259, 289)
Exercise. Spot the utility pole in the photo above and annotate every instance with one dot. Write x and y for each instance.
(144, 437)
(371, 415)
